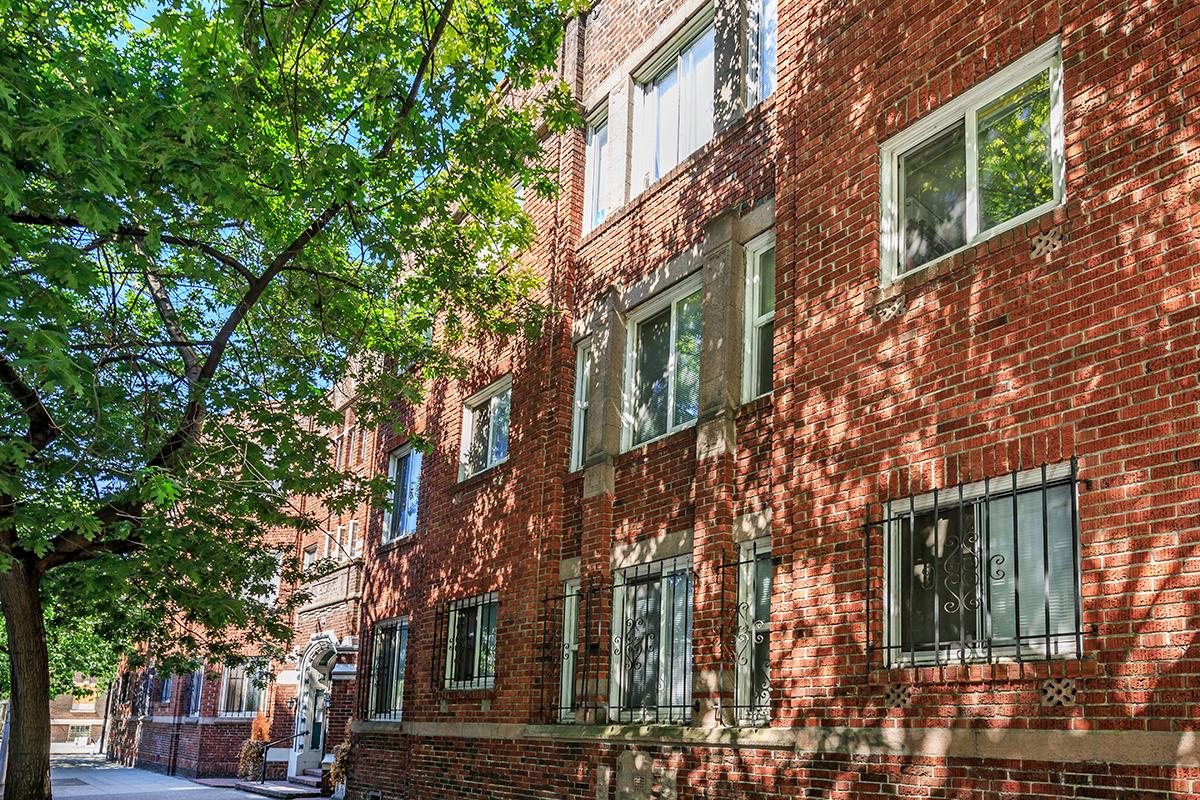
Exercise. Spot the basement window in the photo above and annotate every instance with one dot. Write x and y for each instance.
(985, 571)
(470, 648)
(981, 164)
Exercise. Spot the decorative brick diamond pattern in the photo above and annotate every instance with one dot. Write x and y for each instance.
(1047, 242)
(898, 696)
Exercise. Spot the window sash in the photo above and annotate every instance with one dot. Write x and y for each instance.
(753, 355)
(570, 651)
(196, 693)
(675, 110)
(486, 427)
(635, 380)
(595, 163)
(963, 111)
(1011, 592)
(404, 475)
(761, 56)
(583, 384)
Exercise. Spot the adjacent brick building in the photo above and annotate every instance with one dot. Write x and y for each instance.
(863, 460)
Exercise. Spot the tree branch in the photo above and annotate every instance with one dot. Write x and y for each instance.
(42, 427)
(170, 319)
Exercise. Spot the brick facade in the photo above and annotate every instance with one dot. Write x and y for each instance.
(1074, 335)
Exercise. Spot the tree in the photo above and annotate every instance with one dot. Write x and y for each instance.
(208, 218)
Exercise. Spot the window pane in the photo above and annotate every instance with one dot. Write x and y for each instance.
(650, 377)
(597, 152)
(765, 355)
(401, 648)
(938, 578)
(412, 490)
(499, 434)
(687, 359)
(487, 646)
(766, 283)
(640, 652)
(760, 681)
(766, 48)
(934, 193)
(465, 628)
(696, 101)
(678, 640)
(1003, 585)
(480, 430)
(1014, 153)
(666, 124)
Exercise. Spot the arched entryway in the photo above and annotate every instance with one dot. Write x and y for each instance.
(313, 694)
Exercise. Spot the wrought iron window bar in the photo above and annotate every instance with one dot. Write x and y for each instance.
(977, 573)
(460, 626)
(385, 694)
(746, 584)
(572, 628)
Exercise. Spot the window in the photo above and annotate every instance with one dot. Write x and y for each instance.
(570, 651)
(983, 571)
(674, 114)
(583, 390)
(595, 166)
(389, 651)
(310, 556)
(758, 368)
(753, 644)
(242, 691)
(485, 428)
(471, 643)
(652, 642)
(663, 367)
(165, 685)
(760, 82)
(79, 733)
(404, 475)
(982, 163)
(196, 692)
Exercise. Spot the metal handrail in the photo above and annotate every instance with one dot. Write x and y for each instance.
(265, 746)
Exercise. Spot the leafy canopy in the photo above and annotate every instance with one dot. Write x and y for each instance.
(207, 219)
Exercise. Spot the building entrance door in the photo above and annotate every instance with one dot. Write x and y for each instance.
(312, 712)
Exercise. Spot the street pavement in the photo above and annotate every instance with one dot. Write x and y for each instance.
(87, 777)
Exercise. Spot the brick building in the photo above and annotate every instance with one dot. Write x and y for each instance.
(863, 459)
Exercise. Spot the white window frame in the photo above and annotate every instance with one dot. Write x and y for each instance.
(755, 249)
(960, 109)
(748, 552)
(894, 558)
(667, 299)
(646, 170)
(339, 545)
(488, 395)
(595, 168)
(390, 509)
(583, 393)
(400, 655)
(755, 90)
(251, 673)
(309, 557)
(617, 683)
(356, 544)
(570, 651)
(473, 605)
(166, 685)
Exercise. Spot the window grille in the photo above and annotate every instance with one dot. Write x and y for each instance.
(465, 643)
(389, 653)
(651, 669)
(746, 634)
(978, 573)
(242, 691)
(195, 691)
(569, 654)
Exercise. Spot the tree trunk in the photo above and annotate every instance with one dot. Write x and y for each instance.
(28, 775)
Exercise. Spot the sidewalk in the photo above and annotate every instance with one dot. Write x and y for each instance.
(85, 777)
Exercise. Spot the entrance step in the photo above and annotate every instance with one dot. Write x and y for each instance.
(279, 789)
(314, 773)
(306, 779)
